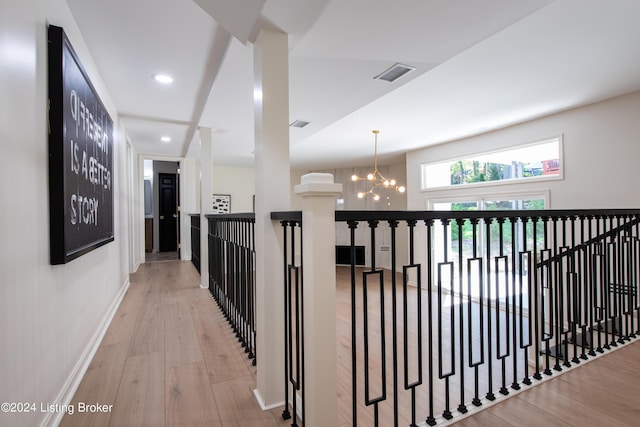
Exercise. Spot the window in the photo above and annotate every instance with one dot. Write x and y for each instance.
(540, 160)
(461, 238)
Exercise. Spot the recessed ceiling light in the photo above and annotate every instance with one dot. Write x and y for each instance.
(165, 139)
(163, 78)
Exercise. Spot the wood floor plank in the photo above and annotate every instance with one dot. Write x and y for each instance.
(140, 400)
(99, 384)
(593, 394)
(189, 400)
(181, 341)
(148, 336)
(124, 322)
(215, 335)
(235, 401)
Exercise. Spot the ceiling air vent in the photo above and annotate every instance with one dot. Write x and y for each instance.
(299, 124)
(395, 72)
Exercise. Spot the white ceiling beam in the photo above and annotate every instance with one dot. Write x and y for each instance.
(238, 17)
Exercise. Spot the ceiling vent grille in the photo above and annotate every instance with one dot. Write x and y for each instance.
(299, 124)
(394, 72)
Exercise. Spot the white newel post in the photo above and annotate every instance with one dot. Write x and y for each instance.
(319, 276)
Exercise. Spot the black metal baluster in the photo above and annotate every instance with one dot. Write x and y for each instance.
(287, 321)
(490, 395)
(637, 270)
(473, 362)
(405, 274)
(252, 291)
(460, 222)
(600, 287)
(612, 260)
(244, 274)
(633, 275)
(514, 300)
(537, 290)
(620, 282)
(353, 225)
(583, 291)
(590, 285)
(525, 291)
(375, 400)
(546, 297)
(564, 286)
(502, 356)
(243, 281)
(558, 300)
(394, 320)
(429, 224)
(572, 278)
(441, 371)
(228, 287)
(294, 313)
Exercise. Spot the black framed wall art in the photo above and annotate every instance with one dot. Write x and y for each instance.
(221, 204)
(81, 178)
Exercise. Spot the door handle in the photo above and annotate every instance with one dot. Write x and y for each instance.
(161, 216)
(175, 216)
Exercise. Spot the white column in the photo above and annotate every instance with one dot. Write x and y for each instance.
(206, 194)
(319, 276)
(271, 97)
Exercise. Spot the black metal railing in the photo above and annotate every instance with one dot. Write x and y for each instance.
(294, 381)
(471, 305)
(195, 241)
(232, 273)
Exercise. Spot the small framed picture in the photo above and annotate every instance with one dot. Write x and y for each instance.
(221, 203)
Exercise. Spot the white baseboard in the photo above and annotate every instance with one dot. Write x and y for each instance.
(263, 406)
(70, 387)
(278, 405)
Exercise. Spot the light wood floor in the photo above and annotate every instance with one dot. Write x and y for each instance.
(603, 392)
(169, 358)
(161, 256)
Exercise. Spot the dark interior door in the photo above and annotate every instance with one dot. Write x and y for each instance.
(168, 212)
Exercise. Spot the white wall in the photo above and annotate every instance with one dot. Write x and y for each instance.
(601, 153)
(237, 182)
(189, 202)
(50, 316)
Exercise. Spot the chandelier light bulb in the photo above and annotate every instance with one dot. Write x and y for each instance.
(393, 182)
(354, 177)
(386, 183)
(401, 189)
(376, 197)
(360, 195)
(370, 177)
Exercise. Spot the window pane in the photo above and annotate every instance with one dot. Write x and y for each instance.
(524, 162)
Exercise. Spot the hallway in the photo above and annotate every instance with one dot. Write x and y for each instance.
(170, 358)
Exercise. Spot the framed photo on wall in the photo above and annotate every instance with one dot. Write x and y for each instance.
(221, 203)
(81, 179)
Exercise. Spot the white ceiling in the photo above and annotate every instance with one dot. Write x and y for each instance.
(480, 65)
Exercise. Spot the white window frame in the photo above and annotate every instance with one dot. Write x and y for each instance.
(555, 177)
(543, 194)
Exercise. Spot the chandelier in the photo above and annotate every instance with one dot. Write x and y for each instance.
(376, 178)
